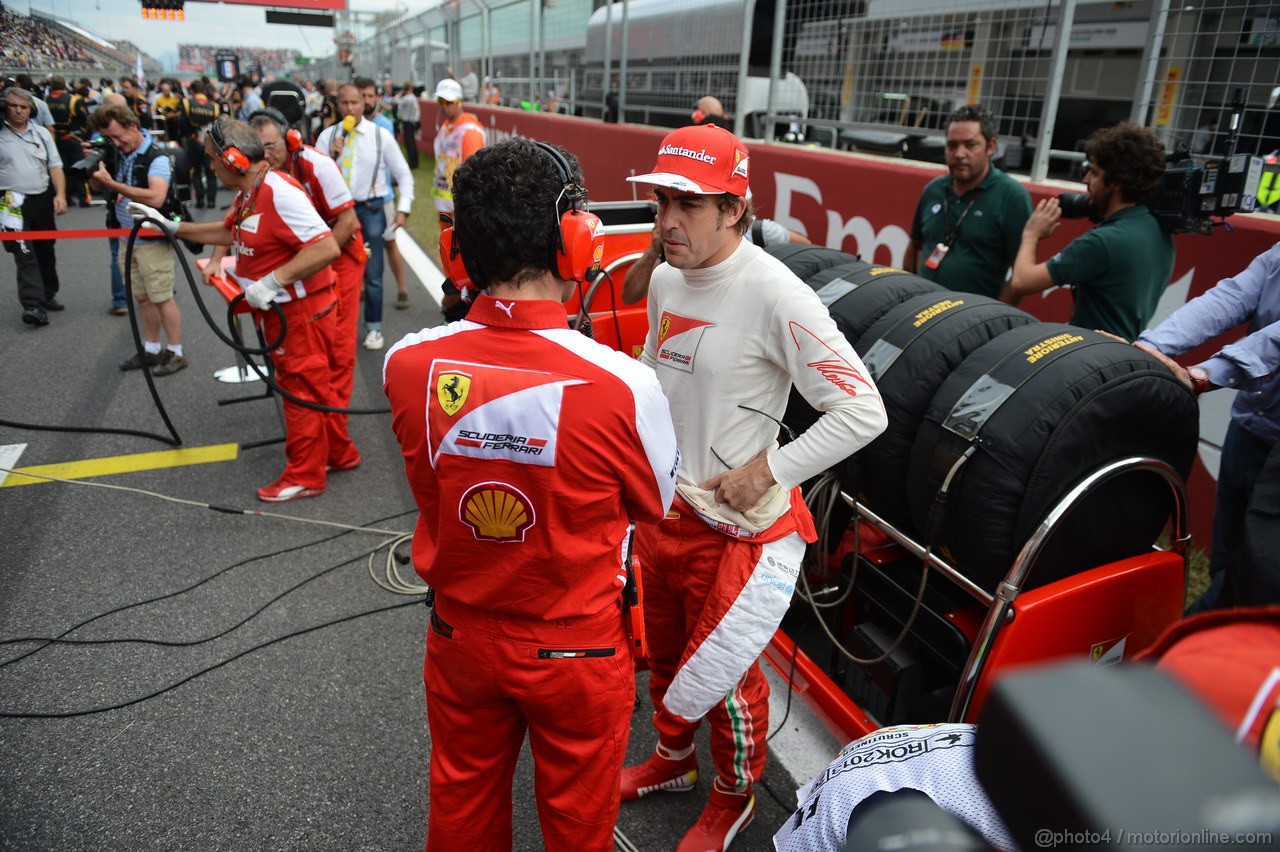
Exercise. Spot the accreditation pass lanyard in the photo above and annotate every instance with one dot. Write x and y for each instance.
(248, 205)
(939, 253)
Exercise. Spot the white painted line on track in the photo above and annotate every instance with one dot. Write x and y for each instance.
(420, 262)
(804, 746)
(9, 455)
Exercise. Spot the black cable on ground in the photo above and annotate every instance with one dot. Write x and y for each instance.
(157, 599)
(791, 673)
(68, 714)
(38, 427)
(182, 643)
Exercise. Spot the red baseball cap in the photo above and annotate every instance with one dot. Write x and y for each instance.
(703, 159)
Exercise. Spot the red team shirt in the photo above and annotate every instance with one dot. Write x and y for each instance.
(525, 475)
(270, 224)
(321, 179)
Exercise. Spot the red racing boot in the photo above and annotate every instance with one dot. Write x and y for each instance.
(665, 770)
(725, 815)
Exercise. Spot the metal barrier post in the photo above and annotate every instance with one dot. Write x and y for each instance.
(1062, 43)
(744, 69)
(1150, 64)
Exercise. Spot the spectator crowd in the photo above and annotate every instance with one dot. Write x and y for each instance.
(28, 42)
(201, 57)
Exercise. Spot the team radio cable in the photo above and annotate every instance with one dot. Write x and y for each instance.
(233, 340)
(63, 637)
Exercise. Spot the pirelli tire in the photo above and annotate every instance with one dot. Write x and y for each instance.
(857, 294)
(807, 260)
(910, 351)
(1038, 409)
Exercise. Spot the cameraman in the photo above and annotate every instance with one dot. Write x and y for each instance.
(1119, 268)
(137, 169)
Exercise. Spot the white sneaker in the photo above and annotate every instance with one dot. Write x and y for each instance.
(373, 340)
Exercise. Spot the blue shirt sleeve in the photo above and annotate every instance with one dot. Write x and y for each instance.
(160, 167)
(1254, 296)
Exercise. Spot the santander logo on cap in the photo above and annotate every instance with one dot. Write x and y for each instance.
(677, 151)
(703, 159)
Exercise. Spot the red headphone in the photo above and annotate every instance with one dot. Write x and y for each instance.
(292, 136)
(579, 247)
(231, 156)
(455, 269)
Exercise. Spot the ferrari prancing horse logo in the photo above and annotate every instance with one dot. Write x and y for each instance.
(451, 391)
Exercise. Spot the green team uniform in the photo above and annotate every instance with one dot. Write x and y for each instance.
(1119, 270)
(981, 249)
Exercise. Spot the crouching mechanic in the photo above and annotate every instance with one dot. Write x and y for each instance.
(528, 448)
(283, 252)
(730, 330)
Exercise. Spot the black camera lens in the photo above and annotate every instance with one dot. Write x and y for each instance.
(1075, 205)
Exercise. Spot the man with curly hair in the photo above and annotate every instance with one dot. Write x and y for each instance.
(1119, 268)
(523, 516)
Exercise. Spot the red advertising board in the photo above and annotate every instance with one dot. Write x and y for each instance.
(864, 204)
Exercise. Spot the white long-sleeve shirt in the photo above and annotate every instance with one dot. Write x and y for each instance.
(368, 178)
(740, 333)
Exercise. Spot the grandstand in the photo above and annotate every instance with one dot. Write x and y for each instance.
(42, 44)
(201, 58)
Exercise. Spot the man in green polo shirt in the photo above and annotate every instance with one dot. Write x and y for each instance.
(969, 221)
(1119, 268)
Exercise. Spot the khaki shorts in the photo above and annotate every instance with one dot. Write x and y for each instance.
(152, 270)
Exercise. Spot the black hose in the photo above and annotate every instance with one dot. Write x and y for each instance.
(137, 336)
(237, 343)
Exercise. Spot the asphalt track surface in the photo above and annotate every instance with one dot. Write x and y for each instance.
(315, 742)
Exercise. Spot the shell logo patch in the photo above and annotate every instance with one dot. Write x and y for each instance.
(496, 511)
(451, 391)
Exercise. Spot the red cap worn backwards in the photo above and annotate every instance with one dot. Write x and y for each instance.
(702, 159)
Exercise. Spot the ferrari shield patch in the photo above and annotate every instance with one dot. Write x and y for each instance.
(451, 391)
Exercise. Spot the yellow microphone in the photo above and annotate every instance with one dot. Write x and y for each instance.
(349, 123)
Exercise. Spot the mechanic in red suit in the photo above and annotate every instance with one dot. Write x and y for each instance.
(322, 180)
(283, 253)
(529, 449)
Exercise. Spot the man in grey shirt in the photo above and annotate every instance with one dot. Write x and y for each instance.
(409, 116)
(470, 83)
(32, 192)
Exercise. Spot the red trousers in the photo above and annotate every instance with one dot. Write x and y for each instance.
(711, 604)
(303, 368)
(491, 677)
(350, 275)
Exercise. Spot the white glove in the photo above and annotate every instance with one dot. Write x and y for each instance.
(154, 220)
(262, 292)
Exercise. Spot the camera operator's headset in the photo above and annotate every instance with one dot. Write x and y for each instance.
(574, 256)
(292, 136)
(231, 156)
